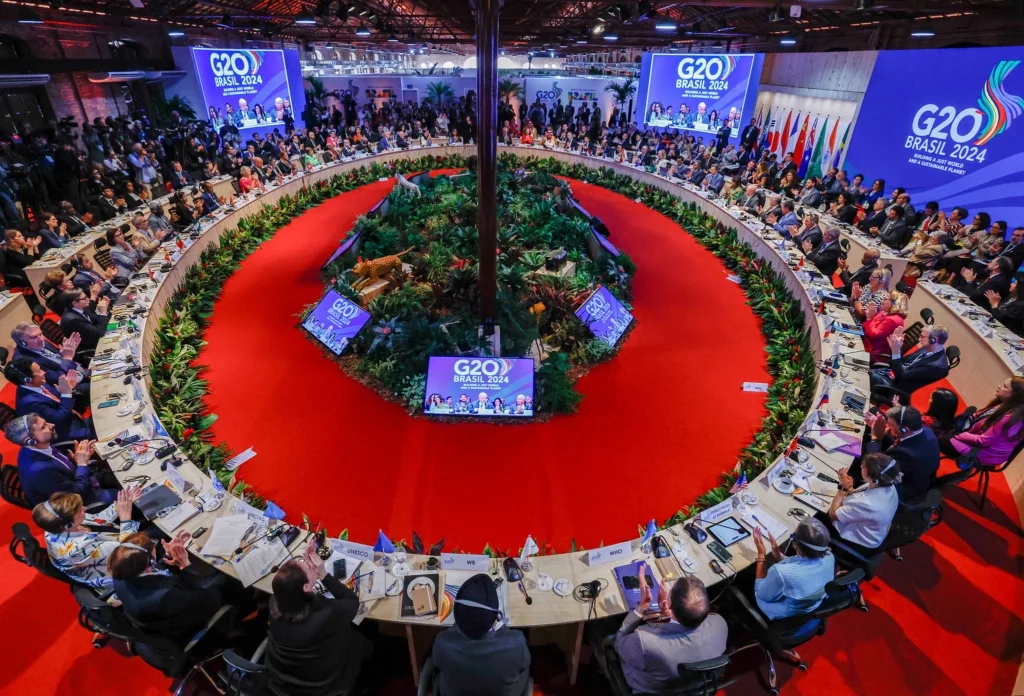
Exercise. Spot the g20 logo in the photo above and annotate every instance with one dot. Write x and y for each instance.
(554, 93)
(487, 367)
(597, 305)
(235, 63)
(703, 67)
(345, 310)
(930, 121)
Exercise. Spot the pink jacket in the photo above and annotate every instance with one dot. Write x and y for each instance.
(996, 445)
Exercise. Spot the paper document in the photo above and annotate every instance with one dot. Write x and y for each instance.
(239, 459)
(767, 523)
(258, 560)
(829, 441)
(226, 535)
(180, 515)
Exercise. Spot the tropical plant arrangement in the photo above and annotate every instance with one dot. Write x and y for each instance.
(434, 309)
(178, 390)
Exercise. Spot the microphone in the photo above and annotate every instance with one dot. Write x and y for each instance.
(291, 553)
(271, 534)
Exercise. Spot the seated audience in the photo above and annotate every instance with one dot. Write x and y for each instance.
(810, 231)
(995, 429)
(164, 598)
(74, 548)
(925, 365)
(54, 404)
(877, 290)
(80, 317)
(127, 258)
(940, 417)
(1010, 311)
(87, 276)
(793, 585)
(926, 254)
(1000, 275)
(901, 434)
(826, 256)
(474, 658)
(868, 264)
(894, 232)
(313, 647)
(881, 318)
(651, 652)
(861, 515)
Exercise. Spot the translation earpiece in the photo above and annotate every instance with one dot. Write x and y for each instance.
(31, 442)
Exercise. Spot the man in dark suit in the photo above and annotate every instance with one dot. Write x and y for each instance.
(750, 134)
(809, 232)
(869, 262)
(750, 201)
(894, 232)
(826, 256)
(714, 181)
(44, 470)
(109, 206)
(901, 434)
(81, 318)
(1000, 275)
(76, 224)
(926, 365)
(179, 177)
(810, 195)
(696, 175)
(874, 219)
(54, 404)
(1014, 249)
(29, 344)
(473, 659)
(86, 276)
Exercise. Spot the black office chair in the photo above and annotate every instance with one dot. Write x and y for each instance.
(429, 675)
(52, 332)
(103, 619)
(778, 638)
(102, 254)
(703, 678)
(184, 663)
(844, 244)
(928, 316)
(909, 524)
(26, 549)
(242, 677)
(884, 395)
(953, 356)
(10, 487)
(970, 463)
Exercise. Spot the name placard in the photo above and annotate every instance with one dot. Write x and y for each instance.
(361, 551)
(607, 554)
(718, 512)
(466, 561)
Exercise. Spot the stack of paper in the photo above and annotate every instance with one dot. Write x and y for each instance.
(226, 535)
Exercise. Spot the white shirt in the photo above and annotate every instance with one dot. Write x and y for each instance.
(865, 515)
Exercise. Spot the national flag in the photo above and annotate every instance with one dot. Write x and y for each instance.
(741, 484)
(273, 512)
(800, 264)
(828, 329)
(759, 113)
(842, 146)
(788, 133)
(217, 485)
(826, 155)
(762, 143)
(180, 244)
(824, 399)
(792, 447)
(814, 165)
(773, 133)
(804, 158)
(529, 548)
(383, 544)
(652, 529)
(798, 149)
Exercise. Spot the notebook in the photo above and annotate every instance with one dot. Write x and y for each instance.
(420, 596)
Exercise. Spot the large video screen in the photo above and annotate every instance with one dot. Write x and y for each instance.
(698, 92)
(246, 87)
(956, 139)
(335, 321)
(497, 387)
(605, 316)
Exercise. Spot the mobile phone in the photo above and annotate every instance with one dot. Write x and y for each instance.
(199, 532)
(107, 404)
(339, 568)
(632, 582)
(720, 551)
(827, 479)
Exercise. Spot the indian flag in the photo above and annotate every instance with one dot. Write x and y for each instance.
(814, 164)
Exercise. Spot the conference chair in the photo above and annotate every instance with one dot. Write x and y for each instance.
(779, 638)
(241, 677)
(429, 676)
(10, 486)
(25, 548)
(102, 254)
(969, 462)
(103, 619)
(909, 524)
(844, 245)
(53, 333)
(703, 678)
(184, 663)
(885, 394)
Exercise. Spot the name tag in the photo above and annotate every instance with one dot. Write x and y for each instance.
(607, 554)
(465, 561)
(718, 512)
(354, 550)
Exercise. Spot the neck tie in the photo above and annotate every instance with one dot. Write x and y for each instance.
(62, 458)
(49, 394)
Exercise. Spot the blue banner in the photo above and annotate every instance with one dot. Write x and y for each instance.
(946, 125)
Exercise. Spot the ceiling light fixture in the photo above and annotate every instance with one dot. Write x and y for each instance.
(922, 30)
(363, 31)
(26, 15)
(175, 33)
(611, 37)
(392, 38)
(304, 19)
(665, 25)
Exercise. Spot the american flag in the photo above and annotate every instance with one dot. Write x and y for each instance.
(741, 483)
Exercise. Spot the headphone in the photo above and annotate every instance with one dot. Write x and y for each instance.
(136, 547)
(806, 544)
(878, 480)
(49, 508)
(19, 374)
(903, 410)
(478, 605)
(31, 442)
(931, 339)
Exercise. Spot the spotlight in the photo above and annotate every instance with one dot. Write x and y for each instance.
(775, 15)
(611, 37)
(363, 31)
(788, 40)
(922, 30)
(175, 33)
(304, 19)
(665, 25)
(26, 15)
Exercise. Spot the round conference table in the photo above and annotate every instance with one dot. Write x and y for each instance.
(551, 618)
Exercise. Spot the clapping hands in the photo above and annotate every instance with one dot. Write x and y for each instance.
(895, 340)
(968, 275)
(176, 555)
(70, 345)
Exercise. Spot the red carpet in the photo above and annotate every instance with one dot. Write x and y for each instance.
(650, 435)
(949, 620)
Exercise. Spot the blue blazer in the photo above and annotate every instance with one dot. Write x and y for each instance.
(51, 362)
(41, 476)
(60, 412)
(918, 458)
(788, 219)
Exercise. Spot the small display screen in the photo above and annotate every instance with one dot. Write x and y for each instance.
(728, 531)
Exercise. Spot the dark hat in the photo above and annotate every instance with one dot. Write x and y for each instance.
(476, 606)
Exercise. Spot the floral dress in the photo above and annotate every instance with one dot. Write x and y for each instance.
(83, 556)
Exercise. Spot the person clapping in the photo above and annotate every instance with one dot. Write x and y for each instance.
(792, 585)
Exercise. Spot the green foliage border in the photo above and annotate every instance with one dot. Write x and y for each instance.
(178, 389)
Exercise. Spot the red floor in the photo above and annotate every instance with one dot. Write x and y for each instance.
(948, 620)
(649, 436)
